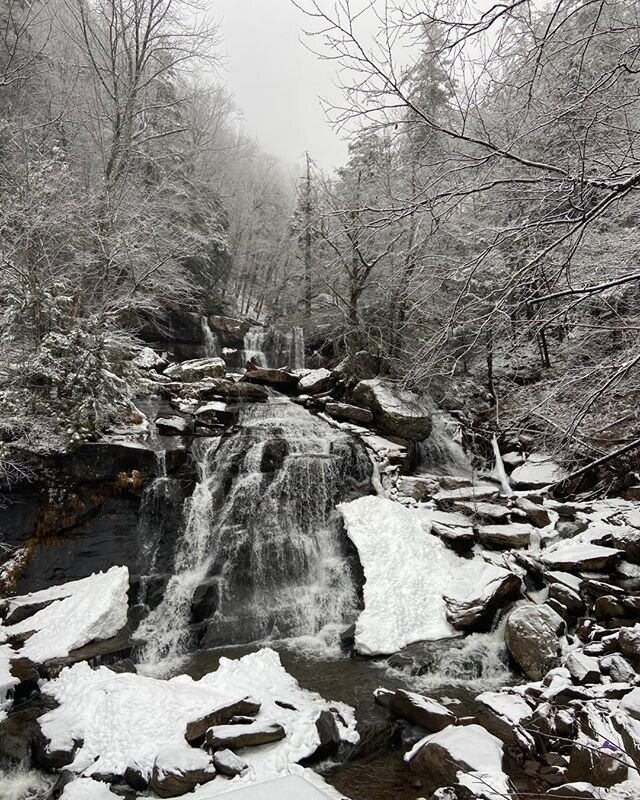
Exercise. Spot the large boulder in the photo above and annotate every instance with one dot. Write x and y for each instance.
(229, 330)
(532, 636)
(197, 369)
(176, 771)
(280, 378)
(395, 410)
(349, 413)
(475, 611)
(538, 470)
(420, 710)
(316, 381)
(580, 557)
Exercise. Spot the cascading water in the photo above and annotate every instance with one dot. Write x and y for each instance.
(262, 536)
(442, 453)
(273, 348)
(211, 343)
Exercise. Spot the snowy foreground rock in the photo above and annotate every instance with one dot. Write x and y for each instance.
(135, 728)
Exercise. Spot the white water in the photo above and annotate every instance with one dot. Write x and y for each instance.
(273, 348)
(442, 452)
(211, 343)
(22, 784)
(262, 522)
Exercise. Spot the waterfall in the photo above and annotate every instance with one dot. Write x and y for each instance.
(262, 535)
(273, 348)
(442, 453)
(211, 343)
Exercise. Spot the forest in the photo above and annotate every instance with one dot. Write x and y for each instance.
(480, 240)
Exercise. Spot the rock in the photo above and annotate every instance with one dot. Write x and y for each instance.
(329, 736)
(579, 790)
(104, 460)
(629, 641)
(618, 668)
(569, 598)
(496, 587)
(475, 493)
(236, 736)
(536, 513)
(568, 528)
(272, 377)
(607, 607)
(344, 411)
(504, 537)
(456, 538)
(451, 519)
(538, 470)
(531, 636)
(630, 704)
(583, 669)
(149, 359)
(441, 756)
(362, 365)
(580, 557)
(174, 426)
(395, 410)
(590, 759)
(23, 611)
(228, 763)
(490, 512)
(316, 381)
(176, 772)
(512, 459)
(216, 388)
(502, 714)
(216, 413)
(52, 760)
(417, 487)
(197, 729)
(230, 331)
(197, 369)
(421, 711)
(135, 779)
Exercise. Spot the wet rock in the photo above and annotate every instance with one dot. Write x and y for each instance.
(196, 370)
(536, 514)
(21, 612)
(235, 736)
(476, 611)
(116, 648)
(329, 735)
(197, 729)
(395, 410)
(505, 537)
(273, 455)
(104, 460)
(216, 412)
(175, 773)
(174, 426)
(349, 413)
(316, 381)
(272, 377)
(531, 636)
(228, 763)
(569, 598)
(421, 711)
(230, 330)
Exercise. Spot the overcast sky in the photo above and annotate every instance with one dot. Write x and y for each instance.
(277, 81)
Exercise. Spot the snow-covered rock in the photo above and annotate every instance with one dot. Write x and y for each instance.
(177, 771)
(112, 722)
(7, 680)
(78, 612)
(572, 556)
(532, 637)
(149, 359)
(395, 410)
(504, 537)
(538, 470)
(474, 607)
(407, 571)
(197, 369)
(420, 710)
(317, 380)
(467, 755)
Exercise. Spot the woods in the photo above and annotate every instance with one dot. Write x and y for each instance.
(480, 240)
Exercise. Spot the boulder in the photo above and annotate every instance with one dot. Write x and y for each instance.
(329, 736)
(595, 753)
(567, 597)
(349, 413)
(441, 757)
(420, 488)
(580, 557)
(230, 331)
(395, 410)
(421, 711)
(584, 669)
(629, 641)
(457, 538)
(176, 771)
(475, 612)
(272, 377)
(503, 714)
(228, 763)
(316, 381)
(174, 426)
(618, 668)
(216, 412)
(149, 359)
(197, 369)
(538, 470)
(475, 493)
(504, 537)
(489, 512)
(105, 459)
(536, 513)
(197, 729)
(578, 790)
(235, 736)
(532, 637)
(219, 388)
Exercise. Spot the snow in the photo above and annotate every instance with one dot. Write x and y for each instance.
(476, 747)
(129, 719)
(568, 552)
(173, 759)
(297, 786)
(510, 706)
(82, 611)
(87, 789)
(537, 471)
(407, 573)
(7, 680)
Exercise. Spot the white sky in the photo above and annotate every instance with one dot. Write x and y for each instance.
(277, 81)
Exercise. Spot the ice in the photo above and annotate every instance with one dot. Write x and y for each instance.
(407, 572)
(82, 611)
